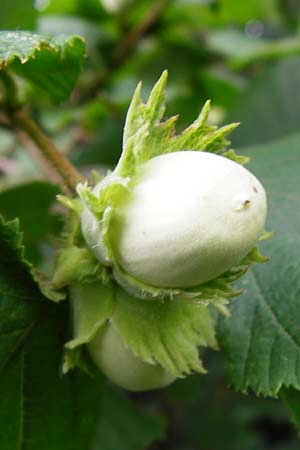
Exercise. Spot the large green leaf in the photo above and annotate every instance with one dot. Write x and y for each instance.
(261, 338)
(40, 408)
(270, 106)
(51, 63)
(19, 301)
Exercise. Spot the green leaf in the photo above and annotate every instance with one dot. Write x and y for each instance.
(50, 63)
(269, 107)
(19, 302)
(261, 338)
(167, 332)
(38, 223)
(31, 203)
(39, 408)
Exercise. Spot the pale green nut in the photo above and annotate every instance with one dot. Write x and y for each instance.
(121, 366)
(190, 217)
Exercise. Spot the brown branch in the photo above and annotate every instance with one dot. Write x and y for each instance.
(46, 168)
(63, 167)
(122, 50)
(4, 122)
(132, 37)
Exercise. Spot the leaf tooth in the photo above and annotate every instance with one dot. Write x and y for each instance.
(156, 102)
(203, 116)
(240, 159)
(162, 355)
(178, 345)
(132, 114)
(229, 128)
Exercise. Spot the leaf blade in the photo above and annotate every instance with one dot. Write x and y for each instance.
(51, 63)
(261, 339)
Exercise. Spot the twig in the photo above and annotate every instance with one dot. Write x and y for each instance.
(63, 167)
(4, 122)
(133, 36)
(46, 169)
(10, 97)
(20, 120)
(126, 44)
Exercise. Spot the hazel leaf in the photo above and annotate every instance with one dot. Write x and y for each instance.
(52, 63)
(261, 338)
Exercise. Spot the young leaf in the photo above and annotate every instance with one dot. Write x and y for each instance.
(261, 338)
(51, 63)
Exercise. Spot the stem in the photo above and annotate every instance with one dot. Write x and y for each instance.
(10, 97)
(126, 44)
(133, 36)
(27, 128)
(47, 171)
(63, 167)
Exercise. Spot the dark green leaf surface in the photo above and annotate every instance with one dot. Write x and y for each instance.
(31, 203)
(44, 410)
(262, 337)
(51, 63)
(270, 106)
(40, 409)
(19, 296)
(212, 417)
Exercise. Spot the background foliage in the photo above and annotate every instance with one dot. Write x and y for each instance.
(244, 56)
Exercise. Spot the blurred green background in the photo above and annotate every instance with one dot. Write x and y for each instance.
(244, 56)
